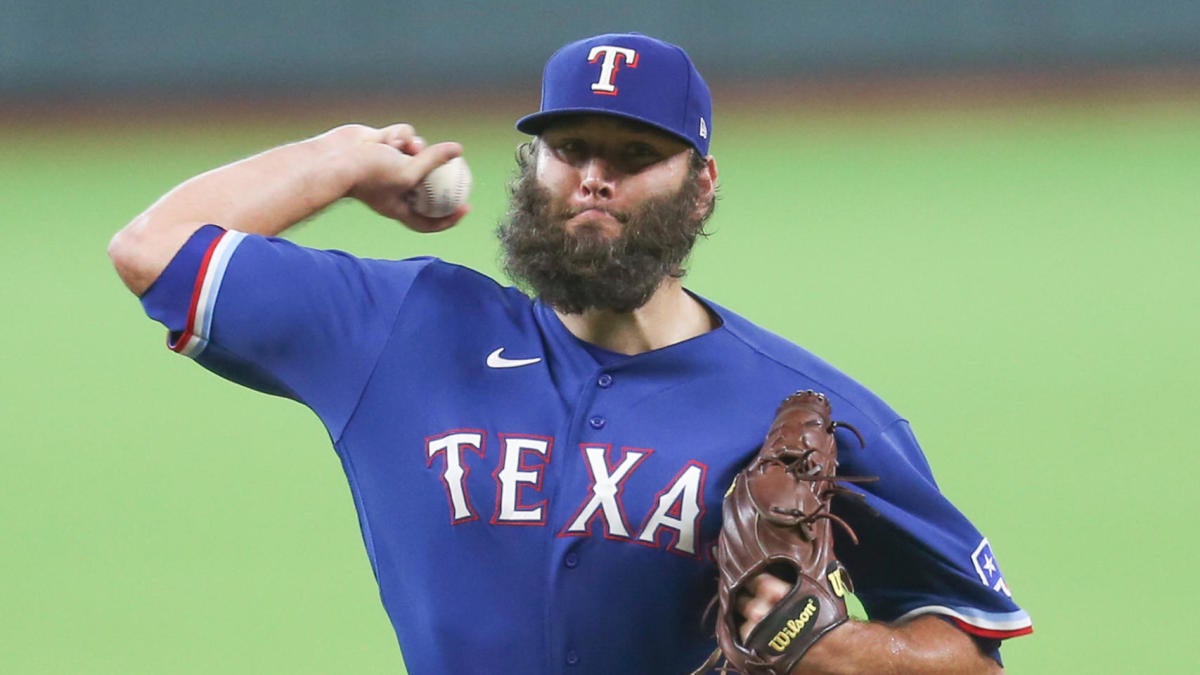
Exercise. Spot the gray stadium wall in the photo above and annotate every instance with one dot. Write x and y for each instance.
(90, 48)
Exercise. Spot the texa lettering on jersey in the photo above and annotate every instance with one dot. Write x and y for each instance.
(672, 517)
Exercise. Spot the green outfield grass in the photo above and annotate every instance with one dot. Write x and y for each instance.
(1019, 281)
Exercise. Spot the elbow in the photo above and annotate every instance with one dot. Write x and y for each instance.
(128, 255)
(118, 250)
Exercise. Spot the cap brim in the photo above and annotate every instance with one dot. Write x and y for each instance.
(537, 122)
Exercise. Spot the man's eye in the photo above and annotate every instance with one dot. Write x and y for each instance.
(569, 148)
(641, 151)
(640, 156)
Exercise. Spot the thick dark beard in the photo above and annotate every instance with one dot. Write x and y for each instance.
(573, 273)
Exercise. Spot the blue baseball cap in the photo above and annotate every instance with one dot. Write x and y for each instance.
(626, 75)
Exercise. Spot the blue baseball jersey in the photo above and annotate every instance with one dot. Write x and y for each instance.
(534, 503)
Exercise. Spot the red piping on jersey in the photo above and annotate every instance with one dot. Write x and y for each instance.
(188, 330)
(989, 633)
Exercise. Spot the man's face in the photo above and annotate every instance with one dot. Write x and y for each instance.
(602, 212)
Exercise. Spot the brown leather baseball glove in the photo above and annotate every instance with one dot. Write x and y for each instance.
(777, 520)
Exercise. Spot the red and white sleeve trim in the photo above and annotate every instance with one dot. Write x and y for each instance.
(993, 625)
(194, 338)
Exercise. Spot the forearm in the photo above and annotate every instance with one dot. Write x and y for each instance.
(264, 194)
(924, 646)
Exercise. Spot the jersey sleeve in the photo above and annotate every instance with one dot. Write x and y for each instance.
(281, 318)
(918, 554)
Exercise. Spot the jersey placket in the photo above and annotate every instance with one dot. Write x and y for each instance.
(571, 550)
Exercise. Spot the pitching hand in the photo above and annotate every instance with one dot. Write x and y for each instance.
(388, 163)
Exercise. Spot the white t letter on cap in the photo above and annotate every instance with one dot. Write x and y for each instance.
(610, 65)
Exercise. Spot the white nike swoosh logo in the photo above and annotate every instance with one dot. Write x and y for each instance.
(495, 360)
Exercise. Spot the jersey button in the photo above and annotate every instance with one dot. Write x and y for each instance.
(597, 422)
(571, 560)
(572, 658)
(605, 380)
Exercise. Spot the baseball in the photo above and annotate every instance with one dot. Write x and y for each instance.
(443, 190)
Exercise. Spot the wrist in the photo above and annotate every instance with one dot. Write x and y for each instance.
(843, 650)
(336, 156)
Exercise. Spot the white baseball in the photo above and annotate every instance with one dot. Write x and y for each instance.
(443, 190)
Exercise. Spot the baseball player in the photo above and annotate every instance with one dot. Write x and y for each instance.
(538, 480)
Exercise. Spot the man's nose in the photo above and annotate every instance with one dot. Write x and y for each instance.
(597, 178)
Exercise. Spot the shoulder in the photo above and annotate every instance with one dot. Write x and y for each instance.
(416, 275)
(460, 288)
(776, 358)
(280, 269)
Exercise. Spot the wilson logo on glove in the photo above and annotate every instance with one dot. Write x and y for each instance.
(795, 626)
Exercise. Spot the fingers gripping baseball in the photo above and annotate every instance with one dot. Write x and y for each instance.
(392, 162)
(402, 137)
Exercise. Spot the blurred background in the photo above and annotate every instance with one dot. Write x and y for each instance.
(990, 206)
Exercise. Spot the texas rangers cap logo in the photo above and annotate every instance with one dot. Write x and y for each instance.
(611, 58)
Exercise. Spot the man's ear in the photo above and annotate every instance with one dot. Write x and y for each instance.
(707, 195)
(527, 153)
